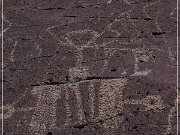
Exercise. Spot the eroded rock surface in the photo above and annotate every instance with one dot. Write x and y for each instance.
(90, 67)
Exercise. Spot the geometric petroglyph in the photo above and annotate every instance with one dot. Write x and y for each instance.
(110, 104)
(111, 98)
(154, 102)
(116, 32)
(44, 116)
(108, 39)
(45, 111)
(105, 101)
(74, 38)
(108, 93)
(139, 53)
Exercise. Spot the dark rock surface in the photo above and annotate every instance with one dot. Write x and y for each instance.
(90, 67)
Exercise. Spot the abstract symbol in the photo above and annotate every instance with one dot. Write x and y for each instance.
(109, 97)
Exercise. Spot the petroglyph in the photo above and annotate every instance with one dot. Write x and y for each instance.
(45, 105)
(173, 14)
(8, 22)
(140, 54)
(45, 112)
(67, 106)
(172, 113)
(110, 93)
(86, 38)
(79, 59)
(80, 113)
(81, 72)
(171, 57)
(12, 57)
(53, 35)
(92, 95)
(110, 104)
(88, 35)
(150, 102)
(8, 111)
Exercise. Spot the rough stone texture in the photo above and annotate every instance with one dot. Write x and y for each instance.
(90, 67)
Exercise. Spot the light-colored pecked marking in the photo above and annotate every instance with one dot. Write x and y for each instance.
(44, 116)
(159, 28)
(92, 99)
(67, 106)
(109, 90)
(80, 112)
(153, 102)
(5, 20)
(12, 57)
(171, 114)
